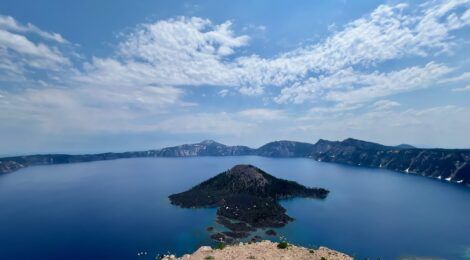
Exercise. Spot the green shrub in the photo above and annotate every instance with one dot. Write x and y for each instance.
(311, 251)
(282, 245)
(323, 258)
(220, 246)
(209, 257)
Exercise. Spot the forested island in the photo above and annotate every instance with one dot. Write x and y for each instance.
(247, 199)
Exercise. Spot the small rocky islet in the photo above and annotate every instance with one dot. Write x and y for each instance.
(247, 199)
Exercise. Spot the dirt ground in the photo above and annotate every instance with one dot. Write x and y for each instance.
(262, 250)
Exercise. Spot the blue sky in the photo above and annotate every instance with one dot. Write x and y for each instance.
(90, 76)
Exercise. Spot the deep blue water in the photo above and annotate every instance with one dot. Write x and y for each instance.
(114, 209)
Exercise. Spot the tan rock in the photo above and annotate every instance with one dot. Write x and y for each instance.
(265, 250)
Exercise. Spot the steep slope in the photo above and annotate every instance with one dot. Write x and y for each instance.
(285, 149)
(204, 148)
(11, 164)
(447, 164)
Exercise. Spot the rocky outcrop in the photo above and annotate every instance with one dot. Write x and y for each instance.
(262, 250)
(10, 166)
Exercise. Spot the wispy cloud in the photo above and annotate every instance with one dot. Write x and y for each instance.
(182, 51)
(19, 54)
(145, 84)
(223, 92)
(194, 51)
(91, 110)
(377, 85)
(10, 24)
(385, 104)
(464, 77)
(262, 114)
(394, 126)
(466, 88)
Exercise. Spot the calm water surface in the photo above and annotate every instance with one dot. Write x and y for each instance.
(115, 209)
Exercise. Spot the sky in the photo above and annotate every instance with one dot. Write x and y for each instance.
(94, 76)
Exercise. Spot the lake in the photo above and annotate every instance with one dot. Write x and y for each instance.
(115, 209)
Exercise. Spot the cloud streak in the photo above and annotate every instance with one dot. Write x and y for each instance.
(21, 56)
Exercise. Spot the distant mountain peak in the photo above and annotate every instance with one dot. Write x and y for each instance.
(405, 146)
(248, 174)
(209, 142)
(362, 144)
(354, 140)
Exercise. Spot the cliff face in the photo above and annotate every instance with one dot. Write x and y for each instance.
(10, 166)
(285, 149)
(446, 164)
(204, 148)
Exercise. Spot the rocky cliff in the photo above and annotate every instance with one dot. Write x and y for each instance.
(204, 148)
(452, 165)
(445, 164)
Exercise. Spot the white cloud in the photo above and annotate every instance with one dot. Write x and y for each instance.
(338, 108)
(385, 105)
(417, 126)
(262, 114)
(152, 66)
(466, 88)
(183, 51)
(203, 123)
(377, 85)
(251, 91)
(86, 109)
(194, 51)
(223, 92)
(42, 54)
(460, 78)
(10, 24)
(19, 54)
(350, 86)
(389, 32)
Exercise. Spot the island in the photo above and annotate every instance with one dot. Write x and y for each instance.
(247, 199)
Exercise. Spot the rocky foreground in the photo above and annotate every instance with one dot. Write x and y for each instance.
(262, 250)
